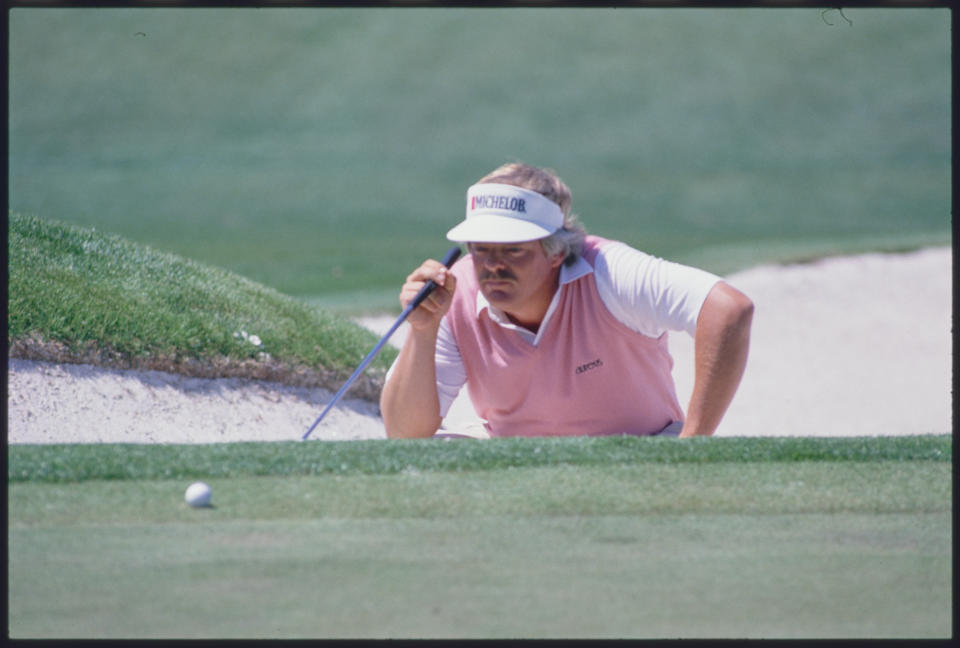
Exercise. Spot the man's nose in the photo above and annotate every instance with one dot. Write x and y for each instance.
(493, 260)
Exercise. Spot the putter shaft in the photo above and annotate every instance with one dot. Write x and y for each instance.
(452, 255)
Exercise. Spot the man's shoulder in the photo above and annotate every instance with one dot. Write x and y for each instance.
(465, 295)
(609, 254)
(593, 246)
(594, 243)
(463, 269)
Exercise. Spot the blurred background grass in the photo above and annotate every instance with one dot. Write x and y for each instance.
(325, 152)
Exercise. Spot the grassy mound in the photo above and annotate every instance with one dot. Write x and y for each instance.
(80, 295)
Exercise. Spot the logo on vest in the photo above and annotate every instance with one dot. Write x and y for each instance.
(588, 366)
(498, 202)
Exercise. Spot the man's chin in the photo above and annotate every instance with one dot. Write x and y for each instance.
(498, 297)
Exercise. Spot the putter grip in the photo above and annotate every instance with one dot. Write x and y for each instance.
(448, 260)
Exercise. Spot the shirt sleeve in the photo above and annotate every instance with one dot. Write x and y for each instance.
(650, 295)
(451, 375)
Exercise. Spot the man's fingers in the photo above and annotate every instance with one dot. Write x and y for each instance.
(430, 270)
(440, 296)
(438, 302)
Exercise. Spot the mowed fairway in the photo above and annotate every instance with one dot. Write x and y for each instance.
(546, 538)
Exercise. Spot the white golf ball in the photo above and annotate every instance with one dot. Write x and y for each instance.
(198, 494)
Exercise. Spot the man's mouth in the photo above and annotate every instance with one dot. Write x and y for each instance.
(497, 278)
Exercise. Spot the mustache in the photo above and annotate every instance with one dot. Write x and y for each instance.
(502, 275)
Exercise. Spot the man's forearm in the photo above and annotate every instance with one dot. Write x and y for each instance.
(409, 401)
(721, 345)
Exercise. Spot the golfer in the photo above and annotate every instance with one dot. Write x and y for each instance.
(558, 333)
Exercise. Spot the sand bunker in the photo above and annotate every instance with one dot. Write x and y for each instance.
(851, 346)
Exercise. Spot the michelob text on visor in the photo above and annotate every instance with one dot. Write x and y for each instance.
(506, 213)
(498, 202)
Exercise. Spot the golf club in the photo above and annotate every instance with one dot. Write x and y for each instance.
(448, 259)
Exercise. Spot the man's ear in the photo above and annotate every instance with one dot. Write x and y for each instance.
(557, 260)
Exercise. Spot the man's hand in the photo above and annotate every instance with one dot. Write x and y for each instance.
(409, 400)
(720, 355)
(428, 315)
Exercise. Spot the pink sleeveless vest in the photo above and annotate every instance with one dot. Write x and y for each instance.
(589, 375)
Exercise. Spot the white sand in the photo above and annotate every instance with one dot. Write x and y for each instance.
(857, 346)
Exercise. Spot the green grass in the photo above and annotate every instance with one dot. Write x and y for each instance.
(64, 463)
(676, 576)
(325, 152)
(128, 303)
(615, 538)
(644, 488)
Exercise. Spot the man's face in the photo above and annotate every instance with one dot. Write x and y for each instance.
(515, 277)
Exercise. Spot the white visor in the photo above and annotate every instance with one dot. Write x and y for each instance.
(500, 213)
